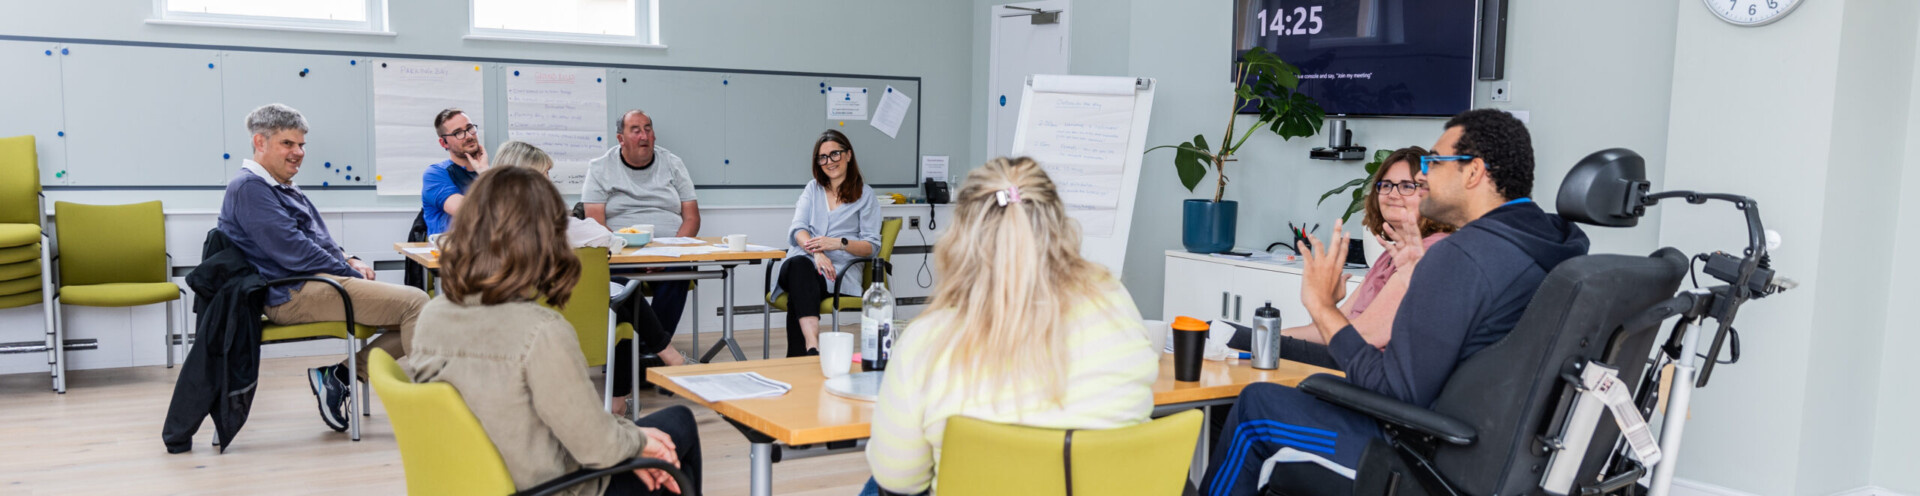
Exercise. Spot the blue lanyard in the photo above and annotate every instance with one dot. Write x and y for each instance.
(1517, 201)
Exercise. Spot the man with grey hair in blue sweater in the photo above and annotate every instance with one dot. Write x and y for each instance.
(271, 221)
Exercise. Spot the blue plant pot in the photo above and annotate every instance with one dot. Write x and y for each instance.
(1208, 226)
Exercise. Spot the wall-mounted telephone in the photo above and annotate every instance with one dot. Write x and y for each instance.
(937, 192)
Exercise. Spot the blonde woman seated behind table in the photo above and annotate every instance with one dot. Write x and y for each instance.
(1392, 213)
(654, 339)
(1020, 329)
(516, 363)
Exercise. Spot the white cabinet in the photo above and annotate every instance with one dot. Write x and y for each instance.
(1207, 288)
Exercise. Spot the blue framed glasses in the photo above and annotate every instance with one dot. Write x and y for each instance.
(1430, 159)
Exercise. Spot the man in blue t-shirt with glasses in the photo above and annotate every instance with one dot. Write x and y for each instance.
(1467, 292)
(444, 186)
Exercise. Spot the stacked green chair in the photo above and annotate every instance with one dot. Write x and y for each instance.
(878, 266)
(26, 272)
(985, 458)
(112, 256)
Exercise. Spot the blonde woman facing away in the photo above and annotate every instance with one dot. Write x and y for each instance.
(1020, 329)
(654, 338)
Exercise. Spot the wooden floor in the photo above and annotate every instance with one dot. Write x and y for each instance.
(103, 437)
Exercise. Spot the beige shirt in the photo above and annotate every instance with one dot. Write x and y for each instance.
(519, 368)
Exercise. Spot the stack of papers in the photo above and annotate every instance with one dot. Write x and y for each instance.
(677, 241)
(735, 386)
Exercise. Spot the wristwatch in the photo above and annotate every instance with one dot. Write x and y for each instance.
(843, 242)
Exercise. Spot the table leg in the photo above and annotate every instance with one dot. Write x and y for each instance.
(1203, 449)
(761, 459)
(726, 326)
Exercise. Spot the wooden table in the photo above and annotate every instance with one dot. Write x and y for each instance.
(810, 415)
(633, 266)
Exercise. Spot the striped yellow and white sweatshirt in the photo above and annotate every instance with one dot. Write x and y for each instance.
(1110, 378)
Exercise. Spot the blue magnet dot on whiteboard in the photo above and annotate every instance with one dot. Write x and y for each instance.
(823, 92)
(49, 53)
(849, 97)
(226, 156)
(823, 84)
(303, 70)
(596, 138)
(723, 82)
(63, 51)
(353, 62)
(62, 134)
(516, 73)
(889, 89)
(209, 65)
(864, 90)
(328, 165)
(349, 167)
(726, 161)
(323, 184)
(1003, 100)
(596, 80)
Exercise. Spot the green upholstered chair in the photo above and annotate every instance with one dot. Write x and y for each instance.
(275, 333)
(590, 310)
(880, 265)
(113, 256)
(26, 271)
(979, 457)
(445, 450)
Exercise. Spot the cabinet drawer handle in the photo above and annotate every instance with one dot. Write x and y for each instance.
(1223, 304)
(1236, 308)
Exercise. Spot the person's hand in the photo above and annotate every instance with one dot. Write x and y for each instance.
(1408, 252)
(365, 270)
(824, 265)
(820, 244)
(659, 446)
(478, 160)
(1324, 282)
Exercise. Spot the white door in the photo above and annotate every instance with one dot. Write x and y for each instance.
(1019, 49)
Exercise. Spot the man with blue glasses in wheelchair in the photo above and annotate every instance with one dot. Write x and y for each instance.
(1467, 292)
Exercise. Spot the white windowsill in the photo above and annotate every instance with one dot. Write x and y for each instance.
(539, 39)
(268, 27)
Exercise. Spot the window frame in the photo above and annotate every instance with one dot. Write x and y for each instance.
(376, 23)
(646, 26)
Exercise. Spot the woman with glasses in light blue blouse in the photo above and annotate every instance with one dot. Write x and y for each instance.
(836, 221)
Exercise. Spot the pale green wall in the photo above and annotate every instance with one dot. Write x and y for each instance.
(1896, 434)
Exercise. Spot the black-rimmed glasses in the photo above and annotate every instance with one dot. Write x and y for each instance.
(1403, 188)
(463, 132)
(833, 156)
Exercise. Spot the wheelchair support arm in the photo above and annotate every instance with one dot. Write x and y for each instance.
(1392, 411)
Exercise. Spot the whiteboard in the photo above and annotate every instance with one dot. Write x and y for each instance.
(407, 95)
(1089, 132)
(186, 105)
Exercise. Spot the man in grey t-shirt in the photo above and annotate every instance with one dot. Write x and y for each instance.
(639, 183)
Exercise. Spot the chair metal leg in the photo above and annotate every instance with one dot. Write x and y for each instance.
(606, 395)
(766, 330)
(353, 381)
(47, 297)
(57, 340)
(633, 396)
(170, 332)
(695, 293)
(366, 396)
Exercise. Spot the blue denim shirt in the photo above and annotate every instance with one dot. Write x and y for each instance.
(279, 230)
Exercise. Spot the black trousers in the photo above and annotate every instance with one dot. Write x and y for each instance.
(677, 421)
(647, 328)
(805, 289)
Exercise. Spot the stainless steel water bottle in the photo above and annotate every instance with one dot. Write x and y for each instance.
(1266, 337)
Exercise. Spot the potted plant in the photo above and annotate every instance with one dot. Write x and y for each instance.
(1263, 83)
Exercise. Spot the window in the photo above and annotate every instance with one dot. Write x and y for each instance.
(319, 15)
(616, 22)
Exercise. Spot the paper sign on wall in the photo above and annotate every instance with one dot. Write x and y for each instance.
(892, 111)
(407, 94)
(846, 104)
(933, 167)
(562, 110)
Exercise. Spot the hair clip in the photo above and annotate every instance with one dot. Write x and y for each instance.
(1009, 195)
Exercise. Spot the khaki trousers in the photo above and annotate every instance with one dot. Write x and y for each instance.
(378, 304)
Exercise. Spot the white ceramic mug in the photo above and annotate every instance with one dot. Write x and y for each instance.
(836, 353)
(736, 242)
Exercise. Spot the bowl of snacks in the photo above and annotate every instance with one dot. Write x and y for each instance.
(635, 237)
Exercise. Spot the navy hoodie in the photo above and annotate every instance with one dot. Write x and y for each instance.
(1466, 293)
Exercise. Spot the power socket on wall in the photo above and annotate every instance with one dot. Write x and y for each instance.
(913, 222)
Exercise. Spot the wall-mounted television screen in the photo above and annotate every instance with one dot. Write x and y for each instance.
(1369, 57)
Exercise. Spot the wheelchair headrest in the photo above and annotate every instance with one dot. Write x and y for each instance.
(1604, 189)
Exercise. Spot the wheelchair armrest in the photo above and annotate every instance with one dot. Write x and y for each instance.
(584, 475)
(1389, 410)
(872, 262)
(344, 299)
